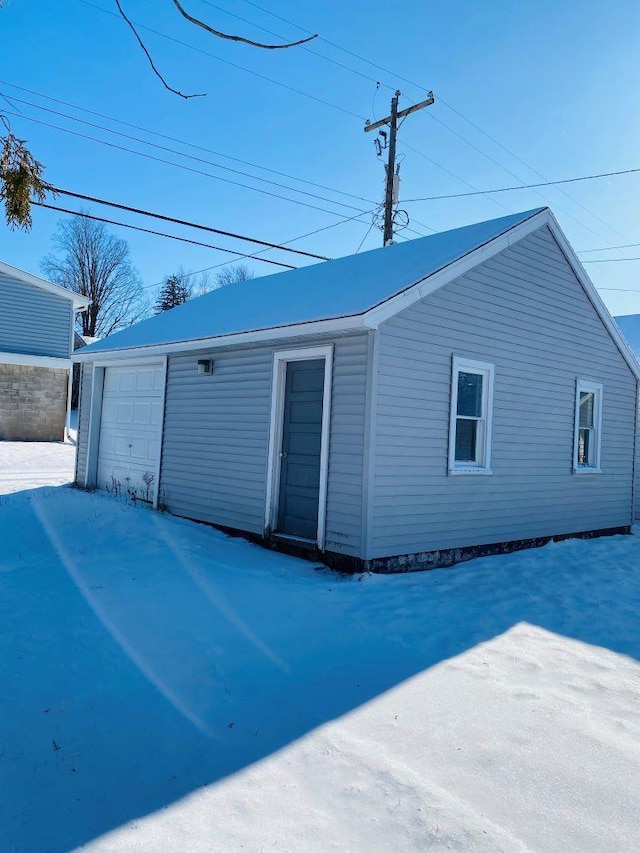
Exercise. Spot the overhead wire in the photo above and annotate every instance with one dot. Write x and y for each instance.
(181, 165)
(526, 186)
(183, 142)
(285, 243)
(528, 165)
(188, 156)
(86, 215)
(430, 116)
(608, 260)
(185, 222)
(241, 68)
(342, 109)
(608, 248)
(448, 171)
(192, 157)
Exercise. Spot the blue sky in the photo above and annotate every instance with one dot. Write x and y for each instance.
(555, 84)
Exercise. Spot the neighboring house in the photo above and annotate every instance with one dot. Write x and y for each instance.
(630, 326)
(36, 336)
(415, 405)
(79, 341)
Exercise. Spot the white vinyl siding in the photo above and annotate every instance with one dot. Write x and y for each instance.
(34, 321)
(525, 312)
(216, 437)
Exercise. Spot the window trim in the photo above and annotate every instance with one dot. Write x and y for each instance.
(466, 365)
(598, 390)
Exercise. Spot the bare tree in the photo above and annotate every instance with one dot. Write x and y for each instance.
(21, 175)
(95, 263)
(231, 275)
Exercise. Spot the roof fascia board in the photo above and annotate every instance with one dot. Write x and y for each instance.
(28, 278)
(596, 300)
(29, 360)
(311, 329)
(426, 286)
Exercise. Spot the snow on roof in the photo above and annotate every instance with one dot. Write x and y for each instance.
(345, 287)
(629, 325)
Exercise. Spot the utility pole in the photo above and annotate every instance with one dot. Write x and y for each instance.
(390, 197)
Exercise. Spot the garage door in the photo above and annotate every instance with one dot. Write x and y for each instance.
(131, 430)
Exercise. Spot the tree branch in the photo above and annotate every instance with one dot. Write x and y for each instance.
(221, 35)
(151, 62)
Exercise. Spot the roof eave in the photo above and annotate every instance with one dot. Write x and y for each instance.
(79, 302)
(372, 318)
(351, 323)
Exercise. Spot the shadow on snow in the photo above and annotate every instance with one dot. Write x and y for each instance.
(149, 656)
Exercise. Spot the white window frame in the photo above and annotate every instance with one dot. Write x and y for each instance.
(485, 430)
(597, 389)
(280, 361)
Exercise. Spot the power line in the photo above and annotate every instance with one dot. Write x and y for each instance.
(179, 165)
(287, 242)
(527, 165)
(247, 70)
(434, 117)
(527, 186)
(608, 260)
(192, 157)
(158, 234)
(608, 248)
(185, 222)
(339, 47)
(180, 142)
(278, 35)
(457, 177)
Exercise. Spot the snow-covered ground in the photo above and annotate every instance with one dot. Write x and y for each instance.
(25, 464)
(167, 689)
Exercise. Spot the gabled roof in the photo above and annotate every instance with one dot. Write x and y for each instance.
(28, 278)
(329, 290)
(356, 292)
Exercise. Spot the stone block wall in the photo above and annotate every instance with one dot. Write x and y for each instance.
(33, 402)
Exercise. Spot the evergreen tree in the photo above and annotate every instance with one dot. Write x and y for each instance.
(174, 292)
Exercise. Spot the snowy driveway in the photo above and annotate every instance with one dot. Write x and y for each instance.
(166, 688)
(25, 464)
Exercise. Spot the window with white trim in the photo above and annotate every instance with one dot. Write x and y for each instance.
(471, 417)
(588, 427)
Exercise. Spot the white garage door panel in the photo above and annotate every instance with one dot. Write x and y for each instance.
(131, 429)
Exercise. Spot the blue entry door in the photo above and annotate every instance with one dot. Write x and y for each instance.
(299, 495)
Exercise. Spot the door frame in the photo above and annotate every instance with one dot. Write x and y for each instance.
(98, 368)
(280, 360)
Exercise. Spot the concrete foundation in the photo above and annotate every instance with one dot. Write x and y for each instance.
(33, 402)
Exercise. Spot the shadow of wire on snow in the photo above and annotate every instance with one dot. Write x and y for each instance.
(151, 656)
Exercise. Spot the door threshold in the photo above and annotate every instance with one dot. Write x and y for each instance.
(311, 544)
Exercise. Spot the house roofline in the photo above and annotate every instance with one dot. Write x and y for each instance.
(79, 302)
(596, 300)
(30, 360)
(336, 325)
(388, 308)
